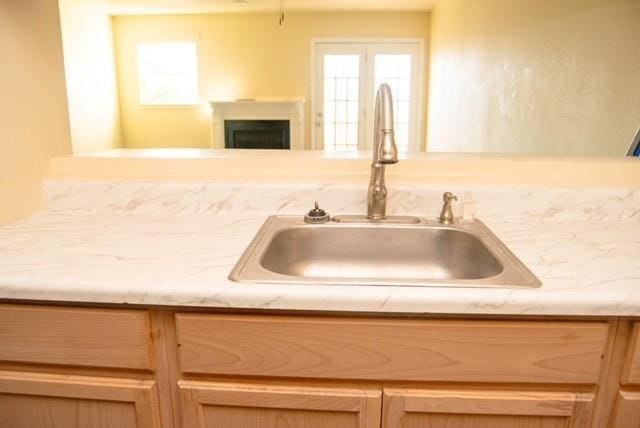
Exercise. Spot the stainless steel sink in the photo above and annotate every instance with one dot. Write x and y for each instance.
(287, 250)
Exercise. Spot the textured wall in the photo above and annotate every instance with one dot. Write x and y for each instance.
(535, 76)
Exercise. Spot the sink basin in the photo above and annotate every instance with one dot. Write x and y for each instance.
(287, 250)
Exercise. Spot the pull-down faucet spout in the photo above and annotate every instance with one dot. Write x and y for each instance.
(384, 152)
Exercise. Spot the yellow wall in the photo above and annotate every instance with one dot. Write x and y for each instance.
(532, 76)
(240, 56)
(34, 124)
(90, 75)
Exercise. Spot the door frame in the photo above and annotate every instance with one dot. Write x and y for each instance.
(420, 125)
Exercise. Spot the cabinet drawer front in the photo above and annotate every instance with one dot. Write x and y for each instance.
(314, 347)
(79, 337)
(631, 372)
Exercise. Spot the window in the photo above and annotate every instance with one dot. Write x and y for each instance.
(347, 78)
(168, 73)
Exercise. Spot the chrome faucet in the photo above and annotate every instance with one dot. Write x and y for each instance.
(385, 152)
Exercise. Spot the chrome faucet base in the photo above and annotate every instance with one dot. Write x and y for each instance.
(394, 219)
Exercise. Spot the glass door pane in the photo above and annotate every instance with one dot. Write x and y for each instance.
(341, 94)
(395, 70)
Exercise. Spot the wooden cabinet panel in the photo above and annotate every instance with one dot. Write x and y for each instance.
(24, 411)
(631, 372)
(36, 400)
(229, 405)
(75, 336)
(427, 350)
(626, 413)
(406, 408)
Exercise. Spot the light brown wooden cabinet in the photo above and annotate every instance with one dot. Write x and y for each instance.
(229, 405)
(37, 400)
(402, 350)
(631, 372)
(626, 412)
(76, 367)
(84, 337)
(408, 408)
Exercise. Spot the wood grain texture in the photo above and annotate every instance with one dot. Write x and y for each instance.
(231, 405)
(421, 350)
(24, 411)
(171, 342)
(631, 373)
(164, 382)
(82, 401)
(408, 408)
(613, 362)
(75, 336)
(626, 413)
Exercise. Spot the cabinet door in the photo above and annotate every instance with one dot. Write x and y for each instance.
(403, 408)
(36, 400)
(626, 413)
(229, 405)
(631, 371)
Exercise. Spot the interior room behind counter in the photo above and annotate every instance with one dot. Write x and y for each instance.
(503, 76)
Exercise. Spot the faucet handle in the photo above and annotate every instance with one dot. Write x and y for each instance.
(447, 197)
(446, 215)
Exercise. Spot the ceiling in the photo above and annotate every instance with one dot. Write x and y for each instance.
(136, 7)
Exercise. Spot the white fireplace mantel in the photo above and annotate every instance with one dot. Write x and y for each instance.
(268, 109)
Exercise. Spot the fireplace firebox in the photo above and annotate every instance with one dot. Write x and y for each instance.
(256, 134)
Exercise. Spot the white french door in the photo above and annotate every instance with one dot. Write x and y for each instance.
(340, 88)
(347, 76)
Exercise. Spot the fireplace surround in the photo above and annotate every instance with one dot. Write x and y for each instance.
(263, 110)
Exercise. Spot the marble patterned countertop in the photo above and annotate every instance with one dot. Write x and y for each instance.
(144, 244)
